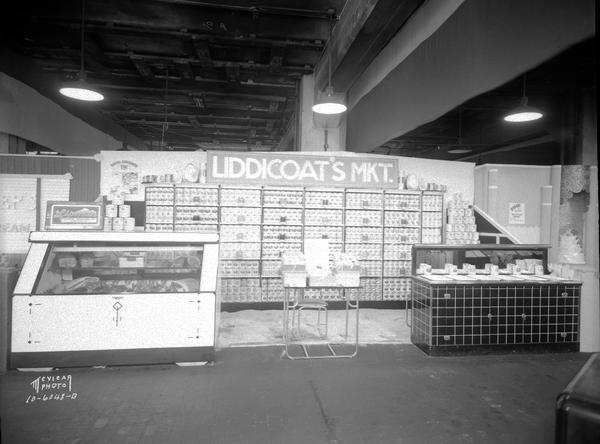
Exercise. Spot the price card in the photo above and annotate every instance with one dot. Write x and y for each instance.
(316, 252)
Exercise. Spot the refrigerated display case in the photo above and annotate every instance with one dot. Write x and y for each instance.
(111, 298)
(481, 298)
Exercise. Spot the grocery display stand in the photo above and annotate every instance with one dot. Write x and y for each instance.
(294, 296)
(457, 313)
(257, 224)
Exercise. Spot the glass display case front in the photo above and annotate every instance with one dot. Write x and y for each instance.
(97, 298)
(102, 268)
(479, 259)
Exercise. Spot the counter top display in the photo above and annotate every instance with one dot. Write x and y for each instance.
(469, 311)
(102, 298)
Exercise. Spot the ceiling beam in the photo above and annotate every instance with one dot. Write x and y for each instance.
(199, 117)
(203, 53)
(364, 28)
(142, 68)
(247, 91)
(276, 61)
(235, 40)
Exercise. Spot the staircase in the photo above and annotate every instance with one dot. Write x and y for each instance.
(490, 232)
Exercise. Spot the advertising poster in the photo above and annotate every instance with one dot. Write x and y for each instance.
(516, 213)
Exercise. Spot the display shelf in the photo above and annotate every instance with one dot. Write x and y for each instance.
(335, 214)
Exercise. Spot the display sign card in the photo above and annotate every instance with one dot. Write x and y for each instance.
(316, 253)
(301, 170)
(74, 216)
(516, 213)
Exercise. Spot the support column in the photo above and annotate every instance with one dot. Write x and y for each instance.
(546, 215)
(492, 192)
(317, 132)
(555, 175)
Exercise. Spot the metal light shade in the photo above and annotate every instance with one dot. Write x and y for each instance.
(523, 113)
(330, 104)
(81, 90)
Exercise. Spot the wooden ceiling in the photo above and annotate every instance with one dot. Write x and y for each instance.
(183, 74)
(188, 74)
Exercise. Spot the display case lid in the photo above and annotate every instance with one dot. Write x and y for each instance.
(123, 236)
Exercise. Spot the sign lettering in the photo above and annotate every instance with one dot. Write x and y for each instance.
(301, 170)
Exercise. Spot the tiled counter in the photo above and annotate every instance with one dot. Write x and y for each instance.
(487, 314)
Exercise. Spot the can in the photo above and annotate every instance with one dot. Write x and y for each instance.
(110, 210)
(129, 224)
(118, 223)
(108, 224)
(124, 211)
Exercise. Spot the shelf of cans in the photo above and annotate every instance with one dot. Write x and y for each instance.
(258, 224)
(117, 217)
(460, 222)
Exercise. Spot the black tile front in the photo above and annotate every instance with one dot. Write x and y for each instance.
(493, 315)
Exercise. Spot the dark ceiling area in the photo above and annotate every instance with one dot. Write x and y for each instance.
(192, 74)
(557, 87)
(183, 74)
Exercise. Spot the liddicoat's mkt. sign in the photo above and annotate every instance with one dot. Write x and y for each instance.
(301, 170)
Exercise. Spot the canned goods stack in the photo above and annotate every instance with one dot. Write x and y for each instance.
(324, 199)
(364, 252)
(364, 235)
(363, 218)
(323, 217)
(370, 289)
(396, 289)
(232, 268)
(271, 268)
(402, 235)
(282, 198)
(272, 289)
(234, 215)
(370, 268)
(334, 234)
(276, 233)
(327, 294)
(397, 252)
(282, 216)
(118, 218)
(397, 268)
(240, 233)
(240, 197)
(274, 250)
(240, 250)
(394, 201)
(196, 196)
(460, 227)
(240, 290)
(364, 200)
(402, 219)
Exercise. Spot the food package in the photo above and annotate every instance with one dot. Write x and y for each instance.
(81, 285)
(294, 278)
(67, 261)
(86, 261)
(189, 285)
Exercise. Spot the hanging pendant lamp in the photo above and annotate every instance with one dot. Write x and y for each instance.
(80, 89)
(523, 113)
(329, 102)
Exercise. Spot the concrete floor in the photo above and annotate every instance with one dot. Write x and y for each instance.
(388, 394)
